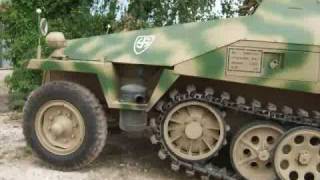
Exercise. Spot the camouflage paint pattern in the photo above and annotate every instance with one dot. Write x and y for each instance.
(278, 46)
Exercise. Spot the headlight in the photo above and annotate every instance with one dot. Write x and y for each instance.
(56, 40)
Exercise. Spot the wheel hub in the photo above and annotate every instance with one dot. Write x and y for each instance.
(193, 130)
(61, 125)
(264, 155)
(304, 157)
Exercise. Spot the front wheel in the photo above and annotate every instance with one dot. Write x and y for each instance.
(65, 125)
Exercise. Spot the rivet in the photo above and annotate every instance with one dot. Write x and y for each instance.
(73, 136)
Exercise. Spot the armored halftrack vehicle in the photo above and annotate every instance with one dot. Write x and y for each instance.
(228, 99)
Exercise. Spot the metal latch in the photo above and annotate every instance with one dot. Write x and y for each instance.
(275, 64)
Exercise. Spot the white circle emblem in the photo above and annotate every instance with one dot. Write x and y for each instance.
(143, 43)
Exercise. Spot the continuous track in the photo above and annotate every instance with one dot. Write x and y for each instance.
(206, 169)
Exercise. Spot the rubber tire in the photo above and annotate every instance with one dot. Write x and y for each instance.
(91, 111)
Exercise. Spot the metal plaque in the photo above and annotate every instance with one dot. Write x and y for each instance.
(245, 60)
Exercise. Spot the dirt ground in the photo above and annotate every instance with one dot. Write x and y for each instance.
(124, 158)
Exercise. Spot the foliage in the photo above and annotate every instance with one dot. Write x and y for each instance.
(20, 32)
(84, 18)
(163, 12)
(149, 13)
(230, 8)
(21, 83)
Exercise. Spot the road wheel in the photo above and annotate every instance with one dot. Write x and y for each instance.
(252, 148)
(65, 125)
(193, 131)
(297, 156)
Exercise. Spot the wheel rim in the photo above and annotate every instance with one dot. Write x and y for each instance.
(59, 127)
(193, 131)
(252, 151)
(297, 157)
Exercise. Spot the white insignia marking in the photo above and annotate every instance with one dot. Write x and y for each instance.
(143, 43)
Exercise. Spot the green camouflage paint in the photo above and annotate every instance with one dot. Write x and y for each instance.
(279, 31)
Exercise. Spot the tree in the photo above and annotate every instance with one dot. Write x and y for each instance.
(163, 12)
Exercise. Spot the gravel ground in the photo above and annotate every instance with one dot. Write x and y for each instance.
(124, 158)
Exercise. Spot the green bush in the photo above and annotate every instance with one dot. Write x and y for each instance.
(19, 29)
(21, 82)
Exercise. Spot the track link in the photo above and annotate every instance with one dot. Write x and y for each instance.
(223, 100)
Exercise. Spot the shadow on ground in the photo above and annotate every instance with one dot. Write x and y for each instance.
(135, 157)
